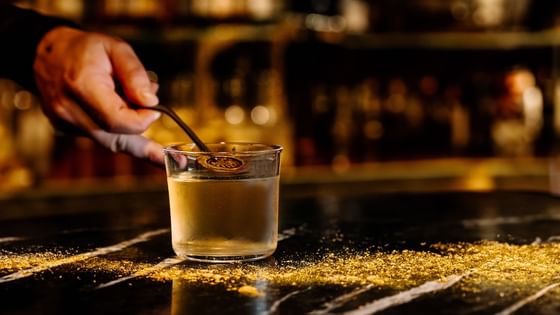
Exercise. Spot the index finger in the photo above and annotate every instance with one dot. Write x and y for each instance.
(109, 110)
(131, 74)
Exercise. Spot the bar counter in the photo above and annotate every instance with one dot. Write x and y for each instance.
(341, 250)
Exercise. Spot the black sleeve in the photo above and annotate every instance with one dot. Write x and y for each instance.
(20, 33)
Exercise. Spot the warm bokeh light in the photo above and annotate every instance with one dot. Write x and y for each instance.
(260, 115)
(234, 115)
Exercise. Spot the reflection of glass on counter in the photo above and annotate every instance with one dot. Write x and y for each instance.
(185, 298)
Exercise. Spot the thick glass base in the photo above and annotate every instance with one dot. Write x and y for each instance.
(224, 251)
(225, 259)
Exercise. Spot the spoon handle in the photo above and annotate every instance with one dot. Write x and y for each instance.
(171, 113)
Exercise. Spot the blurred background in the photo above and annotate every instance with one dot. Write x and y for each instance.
(402, 94)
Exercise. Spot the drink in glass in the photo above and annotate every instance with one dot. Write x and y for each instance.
(224, 203)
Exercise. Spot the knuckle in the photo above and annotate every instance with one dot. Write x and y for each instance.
(118, 144)
(121, 45)
(111, 141)
(138, 74)
(72, 80)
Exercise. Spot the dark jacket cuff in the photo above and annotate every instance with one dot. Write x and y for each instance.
(21, 31)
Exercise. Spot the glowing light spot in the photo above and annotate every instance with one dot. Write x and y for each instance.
(23, 100)
(235, 115)
(260, 115)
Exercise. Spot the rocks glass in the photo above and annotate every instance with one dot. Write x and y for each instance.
(224, 203)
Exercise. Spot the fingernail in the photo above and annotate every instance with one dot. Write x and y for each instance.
(150, 99)
(155, 116)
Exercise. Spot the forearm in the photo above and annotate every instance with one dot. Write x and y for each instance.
(20, 32)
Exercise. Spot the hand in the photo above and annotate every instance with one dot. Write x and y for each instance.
(76, 71)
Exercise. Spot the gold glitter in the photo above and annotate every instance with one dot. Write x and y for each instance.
(11, 262)
(249, 290)
(121, 268)
(500, 268)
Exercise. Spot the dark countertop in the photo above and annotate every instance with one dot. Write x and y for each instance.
(357, 252)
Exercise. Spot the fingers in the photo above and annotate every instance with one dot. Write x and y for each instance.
(178, 160)
(69, 114)
(108, 109)
(154, 87)
(135, 145)
(67, 117)
(85, 76)
(76, 79)
(131, 74)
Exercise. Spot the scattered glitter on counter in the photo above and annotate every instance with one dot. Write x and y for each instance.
(120, 268)
(11, 262)
(249, 290)
(74, 259)
(504, 269)
(397, 269)
(143, 271)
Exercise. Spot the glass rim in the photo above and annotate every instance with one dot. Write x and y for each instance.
(267, 148)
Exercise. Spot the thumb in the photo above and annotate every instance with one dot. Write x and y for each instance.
(132, 75)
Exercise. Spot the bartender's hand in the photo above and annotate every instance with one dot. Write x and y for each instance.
(76, 73)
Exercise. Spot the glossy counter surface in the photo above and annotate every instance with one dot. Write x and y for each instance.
(354, 252)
